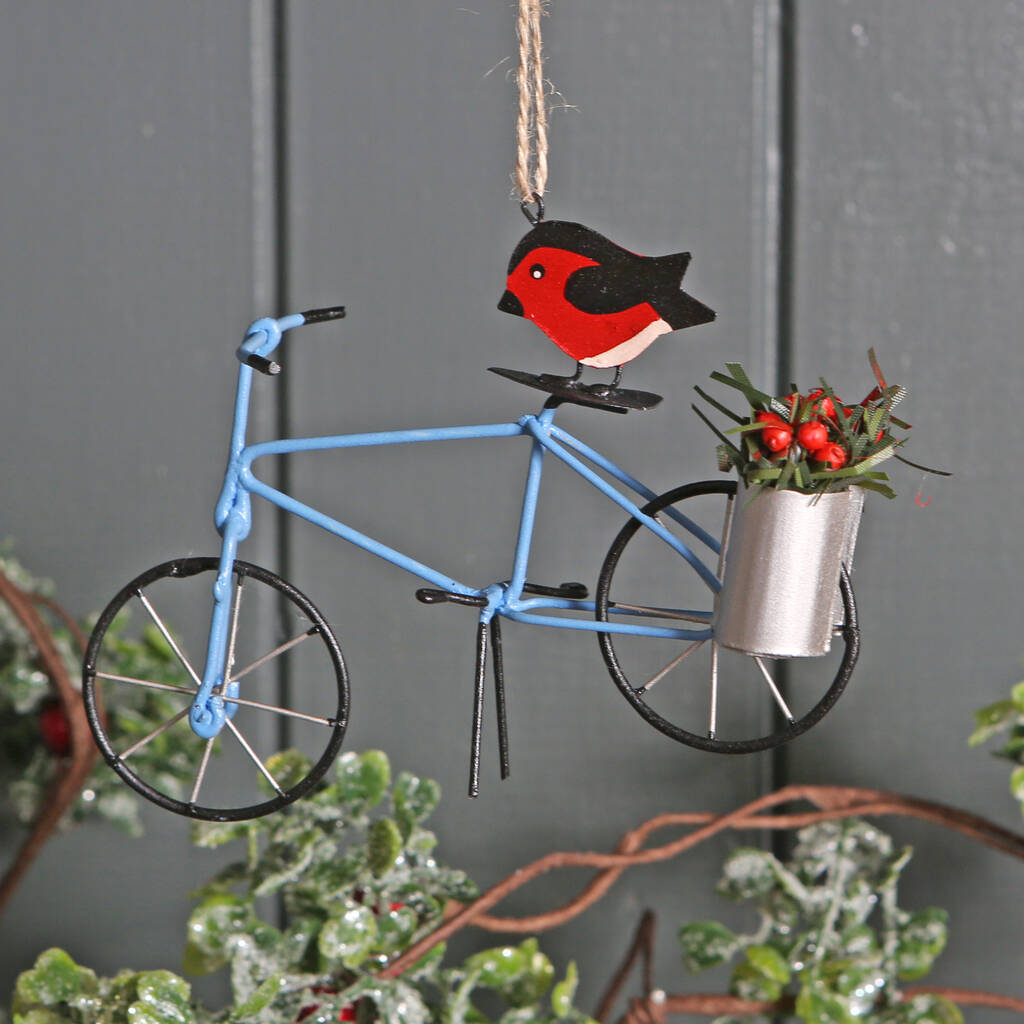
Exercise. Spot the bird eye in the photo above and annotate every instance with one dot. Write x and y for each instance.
(536, 271)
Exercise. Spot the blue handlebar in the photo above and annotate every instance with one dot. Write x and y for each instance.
(264, 335)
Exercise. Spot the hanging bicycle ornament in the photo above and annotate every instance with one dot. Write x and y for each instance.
(248, 680)
(599, 303)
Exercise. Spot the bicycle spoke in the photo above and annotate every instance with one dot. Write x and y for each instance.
(149, 683)
(230, 663)
(783, 706)
(671, 665)
(286, 646)
(665, 613)
(252, 754)
(713, 714)
(201, 773)
(158, 731)
(167, 636)
(279, 710)
(726, 530)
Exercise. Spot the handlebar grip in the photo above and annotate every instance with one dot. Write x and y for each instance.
(267, 366)
(319, 316)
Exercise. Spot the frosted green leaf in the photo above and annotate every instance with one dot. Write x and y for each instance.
(748, 982)
(520, 974)
(400, 1003)
(384, 845)
(992, 719)
(920, 941)
(349, 937)
(748, 872)
(415, 799)
(815, 1004)
(395, 928)
(427, 965)
(210, 927)
(859, 940)
(163, 998)
(40, 1016)
(54, 978)
(1017, 783)
(564, 992)
(706, 944)
(284, 865)
(769, 962)
(259, 1000)
(363, 779)
(288, 767)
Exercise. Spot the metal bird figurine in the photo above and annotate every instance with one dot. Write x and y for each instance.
(601, 304)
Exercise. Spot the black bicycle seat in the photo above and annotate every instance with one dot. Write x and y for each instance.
(594, 396)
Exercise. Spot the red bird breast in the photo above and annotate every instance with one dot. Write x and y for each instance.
(598, 302)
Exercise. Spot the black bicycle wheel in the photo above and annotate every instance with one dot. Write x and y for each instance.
(289, 691)
(747, 704)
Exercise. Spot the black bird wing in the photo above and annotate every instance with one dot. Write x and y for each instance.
(625, 280)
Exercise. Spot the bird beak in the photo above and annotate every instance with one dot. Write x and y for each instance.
(510, 304)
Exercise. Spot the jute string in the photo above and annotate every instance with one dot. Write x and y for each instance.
(532, 119)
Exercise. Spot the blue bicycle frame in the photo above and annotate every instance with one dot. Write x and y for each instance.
(233, 520)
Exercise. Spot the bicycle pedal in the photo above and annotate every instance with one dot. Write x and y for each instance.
(570, 591)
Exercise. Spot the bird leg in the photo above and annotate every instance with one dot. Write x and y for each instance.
(551, 378)
(604, 390)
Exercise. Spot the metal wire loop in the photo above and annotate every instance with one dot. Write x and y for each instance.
(525, 207)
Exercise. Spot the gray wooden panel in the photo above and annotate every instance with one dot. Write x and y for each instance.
(127, 278)
(910, 237)
(402, 147)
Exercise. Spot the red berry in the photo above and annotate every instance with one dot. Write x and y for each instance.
(395, 906)
(776, 439)
(347, 1013)
(55, 728)
(832, 455)
(812, 435)
(822, 403)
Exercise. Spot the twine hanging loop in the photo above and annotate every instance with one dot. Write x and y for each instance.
(531, 173)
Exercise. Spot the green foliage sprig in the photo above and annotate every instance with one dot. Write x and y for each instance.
(1005, 717)
(811, 442)
(31, 729)
(357, 873)
(831, 933)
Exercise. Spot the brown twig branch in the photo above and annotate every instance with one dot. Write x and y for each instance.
(833, 802)
(72, 771)
(642, 946)
(656, 1008)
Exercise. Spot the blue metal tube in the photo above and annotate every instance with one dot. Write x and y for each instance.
(630, 507)
(609, 467)
(290, 446)
(589, 606)
(289, 504)
(592, 626)
(526, 521)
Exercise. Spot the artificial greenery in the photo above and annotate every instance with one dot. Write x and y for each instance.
(355, 870)
(33, 740)
(1005, 716)
(813, 442)
(831, 934)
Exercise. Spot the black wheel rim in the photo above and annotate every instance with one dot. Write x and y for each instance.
(184, 568)
(850, 634)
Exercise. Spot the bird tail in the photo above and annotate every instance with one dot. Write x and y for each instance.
(678, 308)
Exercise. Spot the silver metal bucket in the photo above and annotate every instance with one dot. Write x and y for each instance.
(780, 596)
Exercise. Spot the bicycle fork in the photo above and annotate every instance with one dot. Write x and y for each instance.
(210, 712)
